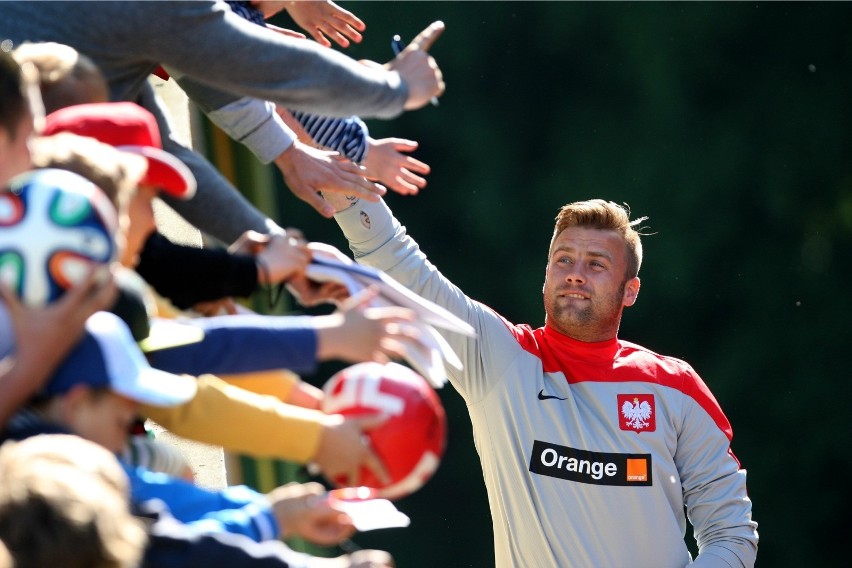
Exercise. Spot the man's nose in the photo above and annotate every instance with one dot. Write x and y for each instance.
(575, 274)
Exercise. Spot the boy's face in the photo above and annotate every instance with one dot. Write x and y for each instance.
(15, 149)
(100, 416)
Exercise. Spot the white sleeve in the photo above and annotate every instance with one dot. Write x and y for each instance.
(255, 124)
(377, 239)
(714, 485)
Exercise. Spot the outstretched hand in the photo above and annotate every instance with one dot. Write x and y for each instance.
(308, 171)
(279, 256)
(312, 293)
(321, 18)
(386, 163)
(344, 448)
(418, 69)
(304, 510)
(358, 333)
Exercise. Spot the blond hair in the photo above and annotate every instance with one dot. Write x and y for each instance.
(64, 501)
(66, 77)
(604, 216)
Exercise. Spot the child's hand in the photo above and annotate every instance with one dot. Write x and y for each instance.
(325, 17)
(304, 510)
(358, 333)
(386, 163)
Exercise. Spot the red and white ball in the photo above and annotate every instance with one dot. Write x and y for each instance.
(411, 442)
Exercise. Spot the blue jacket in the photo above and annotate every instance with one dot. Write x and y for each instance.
(237, 509)
(244, 344)
(172, 544)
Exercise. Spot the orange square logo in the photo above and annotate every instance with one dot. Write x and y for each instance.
(637, 469)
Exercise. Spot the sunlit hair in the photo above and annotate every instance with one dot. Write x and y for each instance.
(64, 501)
(65, 76)
(605, 216)
(115, 172)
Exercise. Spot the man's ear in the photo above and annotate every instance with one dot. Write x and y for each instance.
(631, 292)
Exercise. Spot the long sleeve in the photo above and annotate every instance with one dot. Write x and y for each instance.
(243, 422)
(172, 544)
(383, 243)
(214, 195)
(251, 122)
(714, 484)
(244, 343)
(208, 42)
(345, 135)
(236, 509)
(263, 64)
(188, 275)
(231, 56)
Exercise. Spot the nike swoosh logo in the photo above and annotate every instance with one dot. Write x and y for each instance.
(542, 396)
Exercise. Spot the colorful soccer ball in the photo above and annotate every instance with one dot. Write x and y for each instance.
(54, 225)
(411, 442)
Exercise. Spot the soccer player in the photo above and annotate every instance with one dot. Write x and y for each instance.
(595, 451)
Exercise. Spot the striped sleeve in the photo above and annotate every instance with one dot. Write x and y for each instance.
(345, 135)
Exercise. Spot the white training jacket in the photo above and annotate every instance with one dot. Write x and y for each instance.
(593, 454)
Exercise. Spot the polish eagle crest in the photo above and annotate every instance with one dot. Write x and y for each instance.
(637, 414)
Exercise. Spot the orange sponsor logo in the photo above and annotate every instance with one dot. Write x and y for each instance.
(637, 469)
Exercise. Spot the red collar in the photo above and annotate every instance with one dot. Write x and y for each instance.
(562, 346)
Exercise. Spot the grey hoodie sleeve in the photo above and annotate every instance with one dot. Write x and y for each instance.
(211, 44)
(217, 208)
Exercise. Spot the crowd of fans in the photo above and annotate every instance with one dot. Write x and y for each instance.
(154, 332)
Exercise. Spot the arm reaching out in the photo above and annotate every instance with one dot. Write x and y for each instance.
(308, 171)
(384, 160)
(322, 18)
(344, 448)
(279, 257)
(357, 333)
(302, 509)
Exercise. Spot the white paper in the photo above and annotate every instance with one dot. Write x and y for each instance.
(371, 514)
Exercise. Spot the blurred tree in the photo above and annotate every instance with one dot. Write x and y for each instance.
(729, 124)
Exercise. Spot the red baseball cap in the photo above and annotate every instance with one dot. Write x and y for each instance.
(130, 128)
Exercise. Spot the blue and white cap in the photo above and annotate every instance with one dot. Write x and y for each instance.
(107, 357)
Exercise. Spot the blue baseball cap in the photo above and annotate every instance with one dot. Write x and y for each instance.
(107, 357)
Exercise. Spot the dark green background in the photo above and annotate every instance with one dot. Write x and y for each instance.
(729, 125)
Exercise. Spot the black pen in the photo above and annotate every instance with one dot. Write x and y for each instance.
(397, 47)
